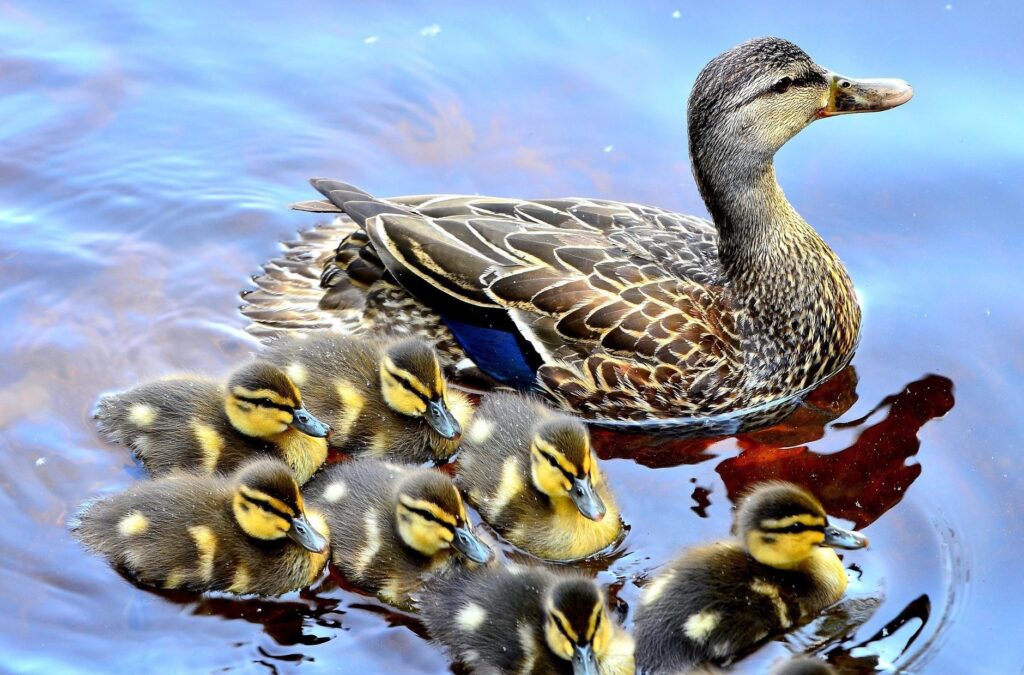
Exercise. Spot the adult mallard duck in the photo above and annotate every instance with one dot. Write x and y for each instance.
(620, 312)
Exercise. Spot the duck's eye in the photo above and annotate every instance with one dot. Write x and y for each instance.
(783, 85)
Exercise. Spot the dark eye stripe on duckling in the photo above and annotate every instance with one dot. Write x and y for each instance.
(552, 459)
(261, 401)
(267, 503)
(793, 524)
(408, 382)
(423, 510)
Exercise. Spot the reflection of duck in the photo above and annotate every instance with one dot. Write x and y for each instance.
(804, 665)
(617, 311)
(862, 481)
(197, 424)
(384, 398)
(247, 533)
(717, 601)
(533, 477)
(391, 525)
(527, 620)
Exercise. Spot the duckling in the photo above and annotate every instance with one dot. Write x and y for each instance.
(196, 424)
(393, 525)
(527, 620)
(532, 475)
(383, 398)
(717, 601)
(244, 533)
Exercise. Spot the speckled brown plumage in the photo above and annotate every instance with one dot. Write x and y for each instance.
(635, 313)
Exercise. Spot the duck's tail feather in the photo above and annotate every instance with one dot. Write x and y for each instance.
(305, 289)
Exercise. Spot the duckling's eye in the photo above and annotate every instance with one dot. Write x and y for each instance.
(783, 85)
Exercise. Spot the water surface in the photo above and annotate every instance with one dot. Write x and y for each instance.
(149, 153)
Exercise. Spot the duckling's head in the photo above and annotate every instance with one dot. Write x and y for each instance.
(750, 100)
(412, 385)
(430, 517)
(562, 465)
(268, 505)
(781, 525)
(577, 627)
(262, 402)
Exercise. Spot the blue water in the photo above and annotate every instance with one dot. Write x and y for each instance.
(148, 153)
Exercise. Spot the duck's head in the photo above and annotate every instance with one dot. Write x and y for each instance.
(562, 464)
(268, 505)
(781, 525)
(577, 627)
(262, 402)
(412, 385)
(750, 100)
(430, 517)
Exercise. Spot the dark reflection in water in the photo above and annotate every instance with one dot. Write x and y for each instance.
(863, 481)
(149, 150)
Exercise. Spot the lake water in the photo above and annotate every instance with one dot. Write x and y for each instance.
(149, 151)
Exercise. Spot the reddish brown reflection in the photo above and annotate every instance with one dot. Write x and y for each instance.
(866, 479)
(806, 423)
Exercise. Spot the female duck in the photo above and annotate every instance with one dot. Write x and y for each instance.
(199, 425)
(527, 620)
(391, 525)
(534, 478)
(721, 600)
(620, 312)
(383, 398)
(247, 533)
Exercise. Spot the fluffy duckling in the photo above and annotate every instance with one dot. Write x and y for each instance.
(532, 475)
(247, 533)
(392, 525)
(198, 425)
(383, 398)
(721, 600)
(527, 620)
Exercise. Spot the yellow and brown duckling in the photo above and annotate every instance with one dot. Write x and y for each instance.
(392, 525)
(718, 601)
(383, 398)
(527, 620)
(244, 533)
(200, 425)
(534, 478)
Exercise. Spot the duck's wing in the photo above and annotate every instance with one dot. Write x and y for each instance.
(613, 308)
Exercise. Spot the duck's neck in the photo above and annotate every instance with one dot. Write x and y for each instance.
(795, 298)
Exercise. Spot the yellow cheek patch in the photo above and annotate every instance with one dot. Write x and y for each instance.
(133, 524)
(410, 380)
(255, 421)
(556, 640)
(783, 551)
(142, 415)
(211, 444)
(206, 545)
(400, 399)
(257, 522)
(547, 478)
